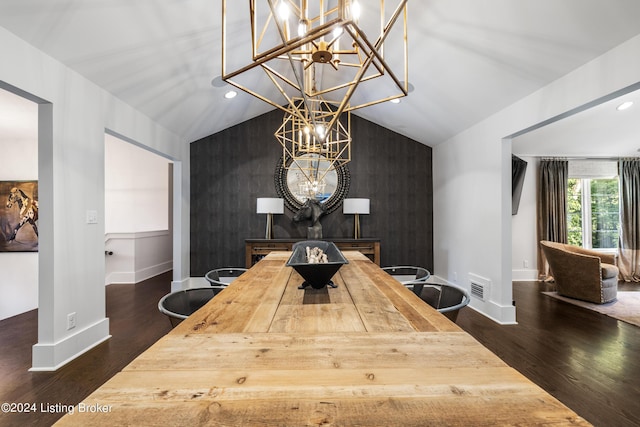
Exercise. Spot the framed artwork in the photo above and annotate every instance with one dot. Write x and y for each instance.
(18, 216)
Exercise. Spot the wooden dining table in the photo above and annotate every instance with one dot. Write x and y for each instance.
(368, 352)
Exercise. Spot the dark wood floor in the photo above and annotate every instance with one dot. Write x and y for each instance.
(135, 324)
(588, 361)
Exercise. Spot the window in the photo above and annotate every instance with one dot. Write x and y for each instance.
(593, 210)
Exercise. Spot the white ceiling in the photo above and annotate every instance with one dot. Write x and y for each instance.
(468, 58)
(600, 131)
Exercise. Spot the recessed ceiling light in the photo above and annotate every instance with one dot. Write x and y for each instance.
(230, 94)
(624, 105)
(395, 101)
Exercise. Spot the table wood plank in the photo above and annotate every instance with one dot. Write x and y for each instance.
(453, 411)
(311, 310)
(315, 351)
(263, 379)
(247, 304)
(421, 316)
(377, 312)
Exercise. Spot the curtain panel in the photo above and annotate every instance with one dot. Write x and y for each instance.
(552, 206)
(629, 257)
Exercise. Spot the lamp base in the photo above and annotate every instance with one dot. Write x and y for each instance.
(356, 226)
(269, 231)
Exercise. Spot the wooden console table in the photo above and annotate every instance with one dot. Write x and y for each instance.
(256, 249)
(368, 353)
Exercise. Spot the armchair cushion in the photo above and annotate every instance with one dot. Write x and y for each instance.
(609, 271)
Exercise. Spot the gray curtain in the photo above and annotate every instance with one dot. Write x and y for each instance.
(629, 258)
(552, 206)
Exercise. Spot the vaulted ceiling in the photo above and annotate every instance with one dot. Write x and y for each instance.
(467, 58)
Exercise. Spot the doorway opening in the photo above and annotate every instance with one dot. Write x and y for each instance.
(18, 204)
(138, 212)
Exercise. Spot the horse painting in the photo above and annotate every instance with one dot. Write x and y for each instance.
(311, 209)
(28, 211)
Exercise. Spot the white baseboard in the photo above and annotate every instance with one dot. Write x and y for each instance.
(153, 271)
(189, 282)
(133, 277)
(524, 275)
(502, 314)
(120, 278)
(50, 357)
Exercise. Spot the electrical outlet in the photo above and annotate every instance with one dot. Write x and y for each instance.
(455, 277)
(525, 263)
(71, 320)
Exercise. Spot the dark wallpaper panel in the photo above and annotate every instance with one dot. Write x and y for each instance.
(232, 168)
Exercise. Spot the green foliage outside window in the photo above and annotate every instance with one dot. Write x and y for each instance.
(603, 215)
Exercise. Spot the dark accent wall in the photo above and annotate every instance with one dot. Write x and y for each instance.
(232, 168)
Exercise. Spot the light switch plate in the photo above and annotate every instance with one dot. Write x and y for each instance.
(92, 217)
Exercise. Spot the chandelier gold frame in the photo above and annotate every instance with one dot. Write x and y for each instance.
(331, 35)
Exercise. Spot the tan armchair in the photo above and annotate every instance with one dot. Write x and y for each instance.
(582, 273)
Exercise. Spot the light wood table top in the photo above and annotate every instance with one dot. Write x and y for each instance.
(367, 353)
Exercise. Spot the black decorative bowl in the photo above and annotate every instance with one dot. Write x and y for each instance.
(316, 275)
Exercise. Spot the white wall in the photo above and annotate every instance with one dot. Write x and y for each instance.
(73, 116)
(136, 188)
(19, 278)
(524, 259)
(472, 177)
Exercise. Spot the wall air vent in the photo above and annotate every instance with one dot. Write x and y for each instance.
(480, 287)
(477, 290)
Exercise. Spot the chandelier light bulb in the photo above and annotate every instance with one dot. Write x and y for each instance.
(321, 131)
(302, 27)
(283, 10)
(355, 10)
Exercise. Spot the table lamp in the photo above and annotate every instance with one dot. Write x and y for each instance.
(357, 207)
(270, 206)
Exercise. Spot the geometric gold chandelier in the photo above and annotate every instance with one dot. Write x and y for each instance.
(335, 50)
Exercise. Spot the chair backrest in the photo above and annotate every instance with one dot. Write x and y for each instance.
(179, 305)
(446, 298)
(221, 277)
(407, 274)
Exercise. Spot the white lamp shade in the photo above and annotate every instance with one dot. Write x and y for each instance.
(270, 205)
(355, 206)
